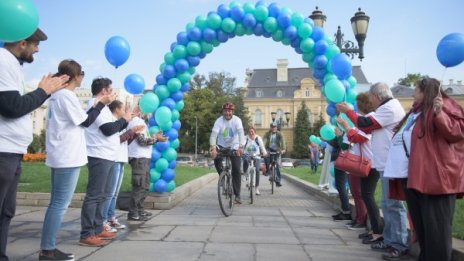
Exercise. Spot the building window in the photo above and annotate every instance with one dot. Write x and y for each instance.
(259, 93)
(280, 93)
(307, 93)
(310, 117)
(280, 115)
(258, 117)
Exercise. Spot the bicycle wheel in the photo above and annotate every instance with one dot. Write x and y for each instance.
(273, 176)
(252, 183)
(225, 194)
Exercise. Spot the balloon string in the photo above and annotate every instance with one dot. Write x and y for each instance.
(441, 82)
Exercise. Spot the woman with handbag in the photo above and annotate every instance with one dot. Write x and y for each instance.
(362, 145)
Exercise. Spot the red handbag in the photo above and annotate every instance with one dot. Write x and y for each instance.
(354, 164)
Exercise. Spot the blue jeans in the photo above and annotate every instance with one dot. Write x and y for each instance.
(64, 181)
(116, 181)
(395, 232)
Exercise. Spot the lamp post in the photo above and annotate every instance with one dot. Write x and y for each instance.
(280, 121)
(359, 24)
(196, 137)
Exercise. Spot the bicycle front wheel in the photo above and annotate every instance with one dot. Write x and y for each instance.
(273, 177)
(252, 183)
(225, 193)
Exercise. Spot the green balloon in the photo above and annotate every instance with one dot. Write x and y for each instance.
(328, 67)
(335, 91)
(162, 92)
(351, 96)
(175, 144)
(161, 165)
(312, 138)
(318, 141)
(278, 35)
(249, 31)
(261, 13)
(206, 47)
(154, 175)
(228, 25)
(191, 70)
(216, 43)
(249, 8)
(171, 186)
(270, 24)
(180, 105)
(286, 41)
(180, 52)
(307, 45)
(149, 102)
(184, 77)
(166, 126)
(201, 21)
(169, 58)
(162, 67)
(353, 82)
(18, 20)
(343, 116)
(213, 21)
(154, 129)
(170, 154)
(239, 30)
(305, 30)
(151, 187)
(309, 57)
(174, 85)
(163, 115)
(332, 51)
(175, 115)
(327, 132)
(286, 10)
(329, 76)
(193, 48)
(297, 19)
(234, 4)
(189, 26)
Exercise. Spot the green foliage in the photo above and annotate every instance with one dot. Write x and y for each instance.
(301, 133)
(411, 78)
(318, 125)
(38, 143)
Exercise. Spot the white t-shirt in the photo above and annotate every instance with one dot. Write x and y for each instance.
(123, 151)
(65, 139)
(397, 161)
(388, 116)
(366, 146)
(253, 148)
(99, 145)
(135, 149)
(15, 134)
(228, 132)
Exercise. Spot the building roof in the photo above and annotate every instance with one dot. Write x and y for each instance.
(407, 91)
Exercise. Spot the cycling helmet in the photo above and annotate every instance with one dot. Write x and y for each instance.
(228, 106)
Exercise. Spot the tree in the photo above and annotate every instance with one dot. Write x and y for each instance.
(411, 79)
(301, 133)
(38, 143)
(318, 125)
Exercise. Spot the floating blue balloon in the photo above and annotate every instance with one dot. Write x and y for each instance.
(117, 51)
(341, 66)
(134, 84)
(450, 50)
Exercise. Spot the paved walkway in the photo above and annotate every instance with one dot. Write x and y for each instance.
(289, 225)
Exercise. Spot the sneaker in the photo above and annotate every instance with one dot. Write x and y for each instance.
(92, 241)
(371, 240)
(137, 218)
(278, 184)
(257, 191)
(364, 235)
(105, 235)
(115, 224)
(357, 226)
(55, 255)
(342, 217)
(380, 247)
(145, 213)
(238, 200)
(350, 224)
(395, 254)
(108, 228)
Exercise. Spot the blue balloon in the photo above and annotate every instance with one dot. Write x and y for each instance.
(295, 43)
(172, 134)
(320, 62)
(173, 46)
(161, 186)
(172, 164)
(317, 34)
(162, 146)
(155, 155)
(160, 80)
(169, 102)
(202, 55)
(450, 50)
(185, 87)
(223, 11)
(182, 38)
(284, 20)
(237, 13)
(321, 47)
(209, 35)
(341, 66)
(176, 125)
(134, 84)
(347, 85)
(177, 96)
(291, 32)
(274, 10)
(1, 44)
(258, 30)
(249, 21)
(181, 65)
(152, 121)
(267, 34)
(309, 21)
(319, 73)
(169, 72)
(260, 3)
(117, 51)
(193, 61)
(323, 144)
(331, 109)
(298, 50)
(194, 34)
(222, 36)
(168, 175)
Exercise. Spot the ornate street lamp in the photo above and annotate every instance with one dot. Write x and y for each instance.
(280, 121)
(359, 24)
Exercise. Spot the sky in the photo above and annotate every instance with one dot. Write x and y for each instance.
(402, 37)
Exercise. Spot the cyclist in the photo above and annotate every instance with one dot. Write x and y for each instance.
(254, 147)
(228, 133)
(274, 142)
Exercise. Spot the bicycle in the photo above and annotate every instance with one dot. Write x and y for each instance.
(273, 156)
(225, 189)
(250, 176)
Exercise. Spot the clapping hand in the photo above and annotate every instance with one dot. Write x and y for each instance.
(342, 107)
(127, 115)
(106, 99)
(159, 136)
(52, 84)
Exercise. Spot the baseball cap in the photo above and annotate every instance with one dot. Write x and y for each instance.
(38, 35)
(273, 125)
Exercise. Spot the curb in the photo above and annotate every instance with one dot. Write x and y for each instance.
(159, 201)
(310, 188)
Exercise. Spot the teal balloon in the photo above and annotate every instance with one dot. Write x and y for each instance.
(18, 20)
(305, 30)
(249, 8)
(278, 35)
(206, 47)
(175, 115)
(327, 132)
(174, 85)
(193, 48)
(191, 70)
(228, 25)
(162, 92)
(180, 105)
(270, 24)
(297, 19)
(165, 126)
(175, 144)
(180, 52)
(309, 57)
(286, 10)
(163, 115)
(161, 165)
(154, 175)
(240, 30)
(213, 21)
(152, 187)
(332, 51)
(234, 4)
(169, 58)
(343, 116)
(184, 77)
(149, 102)
(189, 26)
(286, 41)
(351, 96)
(332, 170)
(154, 129)
(312, 138)
(329, 76)
(161, 68)
(170, 154)
(307, 45)
(335, 91)
(261, 13)
(216, 43)
(318, 141)
(201, 21)
(353, 82)
(171, 186)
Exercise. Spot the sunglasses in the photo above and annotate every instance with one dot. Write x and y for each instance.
(82, 73)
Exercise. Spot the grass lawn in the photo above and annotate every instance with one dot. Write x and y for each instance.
(458, 223)
(36, 177)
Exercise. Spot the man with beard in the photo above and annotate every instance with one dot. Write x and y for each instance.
(16, 122)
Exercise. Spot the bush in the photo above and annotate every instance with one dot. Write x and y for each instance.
(34, 157)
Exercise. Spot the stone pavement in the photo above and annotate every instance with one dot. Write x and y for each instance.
(289, 225)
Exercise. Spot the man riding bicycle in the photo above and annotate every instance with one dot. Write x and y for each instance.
(228, 133)
(254, 147)
(274, 142)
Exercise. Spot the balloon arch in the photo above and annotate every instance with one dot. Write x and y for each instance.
(331, 68)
